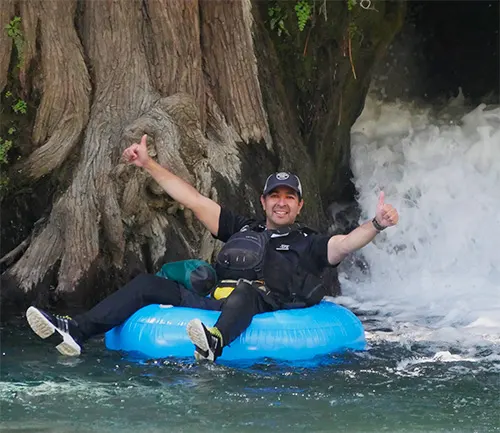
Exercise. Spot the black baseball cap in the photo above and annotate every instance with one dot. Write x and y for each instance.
(283, 178)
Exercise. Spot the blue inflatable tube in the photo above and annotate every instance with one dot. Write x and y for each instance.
(159, 331)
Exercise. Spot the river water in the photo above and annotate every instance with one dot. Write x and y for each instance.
(429, 297)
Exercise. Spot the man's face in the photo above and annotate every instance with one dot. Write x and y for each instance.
(281, 206)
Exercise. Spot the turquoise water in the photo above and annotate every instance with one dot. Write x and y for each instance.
(389, 388)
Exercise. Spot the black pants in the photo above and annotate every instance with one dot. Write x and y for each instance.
(237, 309)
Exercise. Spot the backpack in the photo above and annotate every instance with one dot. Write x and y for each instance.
(242, 256)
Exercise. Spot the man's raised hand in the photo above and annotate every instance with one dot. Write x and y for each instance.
(137, 153)
(386, 215)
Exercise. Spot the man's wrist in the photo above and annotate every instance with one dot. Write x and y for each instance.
(377, 225)
(149, 164)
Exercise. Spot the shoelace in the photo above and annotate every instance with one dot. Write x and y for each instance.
(62, 322)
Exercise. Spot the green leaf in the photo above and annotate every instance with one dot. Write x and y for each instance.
(303, 12)
(20, 106)
(4, 148)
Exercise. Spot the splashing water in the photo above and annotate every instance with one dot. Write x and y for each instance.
(436, 276)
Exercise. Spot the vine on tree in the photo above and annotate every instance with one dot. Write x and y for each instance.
(12, 107)
(303, 11)
(351, 4)
(14, 32)
(277, 19)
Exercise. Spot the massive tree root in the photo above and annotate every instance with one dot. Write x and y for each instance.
(139, 84)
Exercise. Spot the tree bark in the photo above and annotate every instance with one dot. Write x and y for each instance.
(65, 87)
(172, 37)
(222, 105)
(231, 67)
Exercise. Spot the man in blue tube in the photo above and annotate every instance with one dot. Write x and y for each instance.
(276, 264)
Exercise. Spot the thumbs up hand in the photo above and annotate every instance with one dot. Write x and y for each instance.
(386, 215)
(137, 153)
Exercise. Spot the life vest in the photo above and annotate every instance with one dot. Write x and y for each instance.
(248, 255)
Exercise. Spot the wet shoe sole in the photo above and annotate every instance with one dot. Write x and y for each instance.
(198, 337)
(42, 327)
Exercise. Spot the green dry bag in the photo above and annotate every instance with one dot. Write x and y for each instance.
(195, 275)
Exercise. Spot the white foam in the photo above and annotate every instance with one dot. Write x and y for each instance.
(76, 389)
(438, 271)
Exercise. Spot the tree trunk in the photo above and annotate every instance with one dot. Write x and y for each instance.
(223, 103)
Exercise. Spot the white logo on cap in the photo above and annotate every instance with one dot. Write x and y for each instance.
(282, 176)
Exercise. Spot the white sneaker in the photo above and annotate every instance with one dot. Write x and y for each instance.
(208, 345)
(47, 325)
